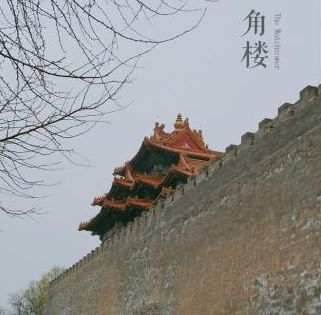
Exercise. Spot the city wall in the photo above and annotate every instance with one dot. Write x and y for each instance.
(243, 237)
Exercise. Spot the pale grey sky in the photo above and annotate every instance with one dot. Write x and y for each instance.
(200, 76)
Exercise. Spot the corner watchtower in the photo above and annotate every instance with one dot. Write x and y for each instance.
(163, 161)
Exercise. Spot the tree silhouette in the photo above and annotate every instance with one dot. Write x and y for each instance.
(31, 301)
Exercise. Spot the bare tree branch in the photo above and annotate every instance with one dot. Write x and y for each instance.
(63, 64)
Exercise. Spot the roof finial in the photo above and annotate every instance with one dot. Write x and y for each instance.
(179, 124)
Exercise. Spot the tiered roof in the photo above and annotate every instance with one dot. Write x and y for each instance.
(163, 161)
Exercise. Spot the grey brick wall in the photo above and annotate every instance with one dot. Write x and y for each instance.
(243, 237)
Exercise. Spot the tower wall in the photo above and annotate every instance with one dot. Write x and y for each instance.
(243, 237)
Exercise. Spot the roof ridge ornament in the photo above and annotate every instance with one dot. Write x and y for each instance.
(179, 123)
(128, 174)
(159, 132)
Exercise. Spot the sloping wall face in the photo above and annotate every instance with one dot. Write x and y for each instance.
(241, 238)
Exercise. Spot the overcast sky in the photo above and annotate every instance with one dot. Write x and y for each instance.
(201, 76)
